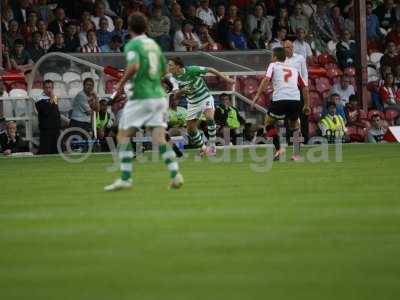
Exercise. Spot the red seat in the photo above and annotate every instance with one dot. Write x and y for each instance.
(332, 66)
(18, 85)
(312, 129)
(110, 85)
(325, 58)
(316, 113)
(333, 72)
(350, 72)
(250, 86)
(315, 99)
(374, 112)
(322, 84)
(391, 115)
(363, 115)
(357, 134)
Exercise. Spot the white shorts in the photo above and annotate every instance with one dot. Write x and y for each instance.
(147, 113)
(194, 111)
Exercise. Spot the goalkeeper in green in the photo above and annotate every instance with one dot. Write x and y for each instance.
(191, 84)
(147, 103)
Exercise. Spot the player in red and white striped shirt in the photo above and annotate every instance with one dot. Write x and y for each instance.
(287, 83)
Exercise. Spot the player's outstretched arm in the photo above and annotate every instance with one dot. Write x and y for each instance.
(128, 74)
(261, 88)
(222, 76)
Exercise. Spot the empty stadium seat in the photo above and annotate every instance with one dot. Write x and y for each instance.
(391, 115)
(70, 76)
(322, 84)
(250, 86)
(315, 99)
(333, 71)
(325, 58)
(35, 93)
(350, 72)
(52, 76)
(19, 106)
(72, 92)
(18, 85)
(90, 75)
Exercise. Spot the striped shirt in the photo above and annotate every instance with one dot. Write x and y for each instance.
(90, 49)
(192, 80)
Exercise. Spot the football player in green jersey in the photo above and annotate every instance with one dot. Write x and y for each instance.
(147, 104)
(191, 84)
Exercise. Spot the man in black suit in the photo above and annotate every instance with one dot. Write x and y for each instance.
(49, 119)
(60, 23)
(10, 141)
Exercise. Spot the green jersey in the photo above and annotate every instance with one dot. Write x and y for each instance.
(191, 76)
(146, 83)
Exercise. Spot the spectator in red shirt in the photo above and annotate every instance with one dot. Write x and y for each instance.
(353, 112)
(389, 93)
(394, 35)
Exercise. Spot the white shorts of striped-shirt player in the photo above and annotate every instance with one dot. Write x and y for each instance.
(194, 111)
(144, 113)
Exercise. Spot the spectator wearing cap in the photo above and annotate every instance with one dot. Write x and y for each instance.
(256, 41)
(59, 45)
(60, 23)
(298, 19)
(10, 140)
(256, 20)
(102, 34)
(346, 50)
(220, 12)
(377, 131)
(159, 28)
(185, 39)
(344, 89)
(300, 45)
(72, 42)
(20, 59)
(99, 13)
(47, 37)
(91, 46)
(236, 37)
(113, 46)
(34, 49)
(205, 13)
(49, 119)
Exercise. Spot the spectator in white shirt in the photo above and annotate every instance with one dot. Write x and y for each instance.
(185, 39)
(344, 89)
(99, 11)
(206, 14)
(300, 46)
(87, 26)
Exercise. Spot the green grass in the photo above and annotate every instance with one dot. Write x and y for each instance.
(325, 230)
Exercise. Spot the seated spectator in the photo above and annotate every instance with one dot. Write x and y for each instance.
(119, 28)
(340, 108)
(34, 49)
(20, 59)
(300, 45)
(60, 22)
(99, 12)
(256, 41)
(114, 45)
(47, 37)
(83, 105)
(394, 35)
(227, 116)
(10, 141)
(309, 7)
(49, 119)
(44, 12)
(282, 20)
(386, 14)
(337, 20)
(219, 13)
(353, 113)
(205, 13)
(6, 58)
(332, 125)
(373, 26)
(349, 23)
(226, 25)
(102, 34)
(159, 28)
(344, 89)
(346, 50)
(30, 27)
(207, 42)
(72, 42)
(157, 4)
(59, 45)
(13, 34)
(377, 131)
(185, 39)
(389, 94)
(176, 114)
(87, 26)
(298, 19)
(322, 28)
(176, 19)
(91, 46)
(279, 38)
(20, 10)
(192, 17)
(237, 39)
(104, 123)
(256, 20)
(391, 58)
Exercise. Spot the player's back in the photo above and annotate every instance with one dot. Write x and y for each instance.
(285, 81)
(146, 84)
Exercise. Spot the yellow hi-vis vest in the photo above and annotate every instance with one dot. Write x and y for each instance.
(102, 123)
(335, 124)
(232, 121)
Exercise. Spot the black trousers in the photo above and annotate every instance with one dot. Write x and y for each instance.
(48, 141)
(303, 124)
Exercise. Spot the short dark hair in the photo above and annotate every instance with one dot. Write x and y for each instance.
(353, 98)
(330, 104)
(48, 81)
(88, 79)
(335, 95)
(138, 23)
(279, 53)
(177, 61)
(224, 95)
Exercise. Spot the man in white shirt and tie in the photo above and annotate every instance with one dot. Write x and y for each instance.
(299, 63)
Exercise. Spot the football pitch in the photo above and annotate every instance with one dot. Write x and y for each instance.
(323, 230)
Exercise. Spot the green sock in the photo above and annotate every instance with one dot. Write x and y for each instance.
(169, 157)
(125, 157)
(196, 139)
(212, 132)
